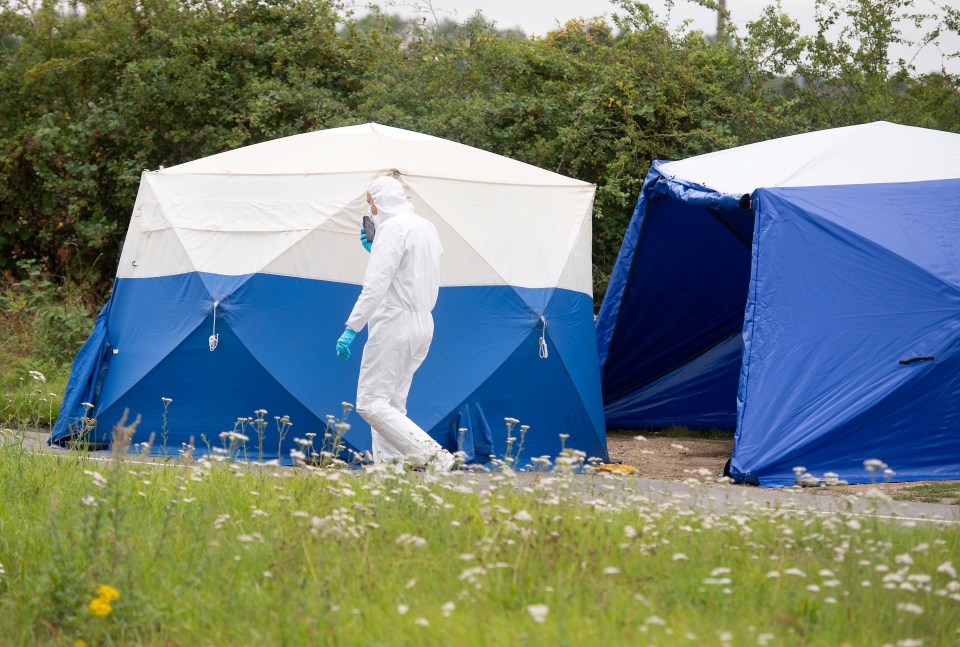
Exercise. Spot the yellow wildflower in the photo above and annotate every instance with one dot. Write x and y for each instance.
(80, 643)
(100, 607)
(107, 592)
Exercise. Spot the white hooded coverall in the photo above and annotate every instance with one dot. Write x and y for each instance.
(400, 289)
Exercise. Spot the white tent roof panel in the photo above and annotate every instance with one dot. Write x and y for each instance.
(246, 211)
(874, 153)
(372, 148)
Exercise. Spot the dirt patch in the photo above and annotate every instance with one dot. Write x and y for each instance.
(673, 459)
(677, 459)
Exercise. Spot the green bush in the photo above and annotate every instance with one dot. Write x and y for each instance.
(53, 318)
(46, 320)
(92, 93)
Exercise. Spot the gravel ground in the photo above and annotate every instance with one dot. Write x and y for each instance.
(675, 459)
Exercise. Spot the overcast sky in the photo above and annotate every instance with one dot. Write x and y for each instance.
(541, 16)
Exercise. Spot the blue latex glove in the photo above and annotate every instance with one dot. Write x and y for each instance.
(343, 344)
(363, 240)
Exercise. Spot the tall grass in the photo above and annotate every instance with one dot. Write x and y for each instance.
(214, 553)
(45, 319)
(31, 398)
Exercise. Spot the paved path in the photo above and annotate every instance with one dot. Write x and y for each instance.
(709, 496)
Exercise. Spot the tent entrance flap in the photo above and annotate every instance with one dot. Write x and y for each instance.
(675, 352)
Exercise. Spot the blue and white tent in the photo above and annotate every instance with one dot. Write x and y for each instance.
(239, 270)
(804, 291)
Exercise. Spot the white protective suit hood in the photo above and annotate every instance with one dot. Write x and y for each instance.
(390, 199)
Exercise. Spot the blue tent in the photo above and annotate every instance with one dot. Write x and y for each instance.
(803, 291)
(239, 270)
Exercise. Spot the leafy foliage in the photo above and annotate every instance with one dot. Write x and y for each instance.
(92, 94)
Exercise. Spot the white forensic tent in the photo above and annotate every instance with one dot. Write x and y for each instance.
(259, 246)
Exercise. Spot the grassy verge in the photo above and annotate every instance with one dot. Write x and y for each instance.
(31, 397)
(219, 553)
(45, 320)
(947, 492)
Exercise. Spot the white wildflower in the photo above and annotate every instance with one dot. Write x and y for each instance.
(910, 607)
(611, 570)
(679, 557)
(538, 612)
(448, 609)
(402, 609)
(947, 568)
(407, 539)
(98, 479)
(874, 464)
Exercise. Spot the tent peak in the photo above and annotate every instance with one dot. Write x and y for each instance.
(368, 150)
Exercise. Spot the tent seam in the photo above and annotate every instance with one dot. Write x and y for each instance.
(745, 362)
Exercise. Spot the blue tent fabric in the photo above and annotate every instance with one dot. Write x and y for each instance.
(86, 376)
(273, 353)
(686, 263)
(851, 283)
(822, 323)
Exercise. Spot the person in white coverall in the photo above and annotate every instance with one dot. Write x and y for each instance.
(400, 290)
